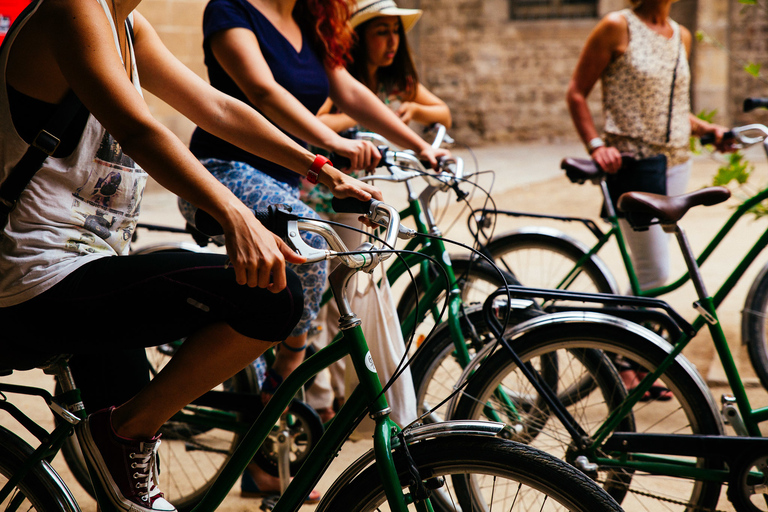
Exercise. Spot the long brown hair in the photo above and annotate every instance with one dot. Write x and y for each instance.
(327, 23)
(399, 77)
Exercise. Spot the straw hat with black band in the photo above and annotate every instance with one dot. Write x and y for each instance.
(369, 9)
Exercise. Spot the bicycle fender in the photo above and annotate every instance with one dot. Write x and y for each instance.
(416, 434)
(573, 319)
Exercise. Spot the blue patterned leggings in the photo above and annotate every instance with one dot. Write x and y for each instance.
(259, 190)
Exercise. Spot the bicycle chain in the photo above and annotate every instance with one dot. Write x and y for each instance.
(668, 500)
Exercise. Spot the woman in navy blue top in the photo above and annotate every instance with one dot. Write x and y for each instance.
(285, 58)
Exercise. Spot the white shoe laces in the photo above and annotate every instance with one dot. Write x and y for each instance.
(145, 464)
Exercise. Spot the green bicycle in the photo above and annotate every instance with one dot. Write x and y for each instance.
(451, 466)
(547, 258)
(649, 455)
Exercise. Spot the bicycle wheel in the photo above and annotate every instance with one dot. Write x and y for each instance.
(576, 347)
(191, 454)
(471, 473)
(543, 259)
(41, 490)
(754, 326)
(435, 368)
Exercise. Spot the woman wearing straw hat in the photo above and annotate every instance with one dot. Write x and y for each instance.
(382, 61)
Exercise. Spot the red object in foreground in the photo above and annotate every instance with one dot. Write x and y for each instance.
(9, 10)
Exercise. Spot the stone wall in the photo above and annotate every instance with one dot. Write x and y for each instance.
(506, 80)
(179, 23)
(748, 42)
(503, 80)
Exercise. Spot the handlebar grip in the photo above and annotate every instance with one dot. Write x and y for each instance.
(340, 162)
(753, 103)
(270, 218)
(709, 138)
(205, 223)
(351, 205)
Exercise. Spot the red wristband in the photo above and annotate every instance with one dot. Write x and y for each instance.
(314, 170)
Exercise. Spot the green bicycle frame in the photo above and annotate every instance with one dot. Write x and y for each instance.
(707, 306)
(367, 396)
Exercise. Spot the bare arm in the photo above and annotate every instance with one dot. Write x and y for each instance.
(606, 42)
(700, 127)
(90, 65)
(359, 102)
(239, 53)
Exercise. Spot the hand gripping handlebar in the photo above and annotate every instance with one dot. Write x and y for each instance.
(279, 220)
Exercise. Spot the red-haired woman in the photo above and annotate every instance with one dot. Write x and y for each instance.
(285, 57)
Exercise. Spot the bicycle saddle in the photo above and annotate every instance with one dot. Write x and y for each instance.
(670, 209)
(580, 170)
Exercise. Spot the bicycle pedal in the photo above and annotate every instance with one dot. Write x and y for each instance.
(583, 464)
(269, 502)
(731, 415)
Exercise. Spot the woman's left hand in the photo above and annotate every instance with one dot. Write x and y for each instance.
(722, 143)
(407, 111)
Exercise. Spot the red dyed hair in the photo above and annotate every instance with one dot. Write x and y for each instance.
(327, 21)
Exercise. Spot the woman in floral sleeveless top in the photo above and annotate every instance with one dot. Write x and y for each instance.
(637, 53)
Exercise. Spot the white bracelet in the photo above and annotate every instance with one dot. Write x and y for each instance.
(595, 143)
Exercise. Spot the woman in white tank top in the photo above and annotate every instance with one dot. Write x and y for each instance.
(63, 251)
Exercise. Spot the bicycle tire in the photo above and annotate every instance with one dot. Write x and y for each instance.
(690, 411)
(754, 326)
(42, 489)
(542, 259)
(480, 474)
(435, 369)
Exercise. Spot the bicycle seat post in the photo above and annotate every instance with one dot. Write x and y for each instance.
(609, 209)
(690, 260)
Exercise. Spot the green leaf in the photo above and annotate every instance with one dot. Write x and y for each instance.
(737, 169)
(707, 116)
(753, 69)
(748, 2)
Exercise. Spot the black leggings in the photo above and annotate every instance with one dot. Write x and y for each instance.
(107, 311)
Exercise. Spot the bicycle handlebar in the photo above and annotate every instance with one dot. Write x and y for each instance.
(393, 160)
(753, 103)
(742, 135)
(279, 220)
(709, 138)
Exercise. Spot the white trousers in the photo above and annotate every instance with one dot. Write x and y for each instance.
(649, 249)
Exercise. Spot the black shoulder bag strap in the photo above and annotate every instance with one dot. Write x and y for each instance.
(44, 145)
(672, 91)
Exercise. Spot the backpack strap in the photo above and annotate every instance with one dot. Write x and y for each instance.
(43, 146)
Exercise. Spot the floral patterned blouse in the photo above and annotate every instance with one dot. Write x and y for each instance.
(636, 94)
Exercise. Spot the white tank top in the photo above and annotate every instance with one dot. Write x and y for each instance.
(75, 209)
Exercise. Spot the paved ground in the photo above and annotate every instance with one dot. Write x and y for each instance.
(528, 179)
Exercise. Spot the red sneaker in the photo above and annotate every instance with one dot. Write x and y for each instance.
(126, 468)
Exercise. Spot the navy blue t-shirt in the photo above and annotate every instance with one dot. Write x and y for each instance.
(302, 74)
